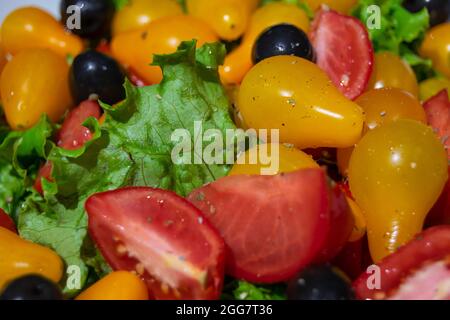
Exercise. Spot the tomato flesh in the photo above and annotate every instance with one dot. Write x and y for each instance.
(73, 134)
(6, 221)
(273, 225)
(430, 246)
(161, 237)
(45, 172)
(344, 51)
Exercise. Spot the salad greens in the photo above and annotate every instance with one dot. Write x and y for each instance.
(132, 148)
(242, 290)
(399, 31)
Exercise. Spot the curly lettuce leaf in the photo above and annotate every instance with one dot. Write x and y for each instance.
(132, 148)
(400, 31)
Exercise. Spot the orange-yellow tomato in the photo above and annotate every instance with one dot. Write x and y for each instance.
(30, 27)
(3, 60)
(239, 61)
(390, 71)
(118, 285)
(382, 106)
(397, 172)
(228, 18)
(137, 14)
(436, 46)
(35, 82)
(296, 97)
(272, 159)
(359, 228)
(20, 257)
(342, 6)
(135, 49)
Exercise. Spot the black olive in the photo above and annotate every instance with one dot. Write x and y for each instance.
(439, 10)
(95, 16)
(282, 39)
(93, 73)
(319, 283)
(31, 287)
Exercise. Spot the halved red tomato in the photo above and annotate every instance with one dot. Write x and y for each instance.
(341, 225)
(273, 225)
(73, 134)
(6, 221)
(344, 51)
(430, 246)
(45, 172)
(440, 213)
(160, 236)
(437, 109)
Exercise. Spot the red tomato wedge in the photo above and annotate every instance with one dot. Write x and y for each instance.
(160, 236)
(440, 213)
(73, 135)
(44, 172)
(273, 225)
(437, 109)
(430, 246)
(6, 221)
(344, 51)
(341, 225)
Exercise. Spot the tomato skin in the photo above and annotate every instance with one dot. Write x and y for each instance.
(162, 237)
(290, 159)
(30, 27)
(344, 50)
(437, 109)
(21, 257)
(118, 285)
(431, 245)
(295, 96)
(341, 225)
(137, 14)
(440, 213)
(436, 46)
(286, 241)
(6, 221)
(28, 85)
(239, 61)
(45, 172)
(228, 18)
(162, 36)
(390, 71)
(432, 87)
(73, 135)
(342, 6)
(388, 171)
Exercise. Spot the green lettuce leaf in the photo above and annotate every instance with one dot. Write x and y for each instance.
(242, 290)
(400, 31)
(132, 148)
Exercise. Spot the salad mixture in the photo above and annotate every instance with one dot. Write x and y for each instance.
(351, 200)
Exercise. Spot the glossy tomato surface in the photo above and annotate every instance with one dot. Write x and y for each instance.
(273, 226)
(161, 237)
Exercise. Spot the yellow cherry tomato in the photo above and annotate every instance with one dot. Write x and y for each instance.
(239, 61)
(295, 96)
(272, 159)
(388, 104)
(35, 82)
(228, 18)
(433, 86)
(380, 107)
(137, 14)
(396, 174)
(359, 228)
(30, 27)
(390, 71)
(342, 6)
(436, 46)
(118, 285)
(20, 257)
(3, 60)
(162, 36)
